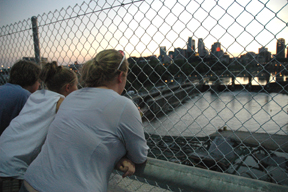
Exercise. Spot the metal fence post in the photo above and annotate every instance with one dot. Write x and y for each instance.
(36, 39)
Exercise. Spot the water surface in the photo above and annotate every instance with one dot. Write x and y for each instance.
(239, 110)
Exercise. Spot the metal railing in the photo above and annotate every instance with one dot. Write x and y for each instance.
(222, 108)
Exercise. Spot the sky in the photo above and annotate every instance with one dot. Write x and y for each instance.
(12, 11)
(79, 32)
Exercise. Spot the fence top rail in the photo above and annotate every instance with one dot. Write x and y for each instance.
(196, 179)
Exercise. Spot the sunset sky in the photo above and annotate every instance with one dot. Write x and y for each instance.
(139, 28)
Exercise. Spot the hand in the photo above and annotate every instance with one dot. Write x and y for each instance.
(127, 166)
(141, 112)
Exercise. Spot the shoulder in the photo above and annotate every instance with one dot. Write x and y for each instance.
(14, 91)
(13, 88)
(125, 101)
(44, 97)
(46, 93)
(128, 108)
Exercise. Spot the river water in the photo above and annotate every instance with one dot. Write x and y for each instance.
(205, 113)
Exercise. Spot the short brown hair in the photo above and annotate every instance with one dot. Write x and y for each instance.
(24, 73)
(103, 68)
(55, 77)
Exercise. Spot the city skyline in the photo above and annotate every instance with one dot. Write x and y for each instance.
(216, 50)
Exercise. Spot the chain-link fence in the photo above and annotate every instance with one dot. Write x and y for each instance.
(210, 77)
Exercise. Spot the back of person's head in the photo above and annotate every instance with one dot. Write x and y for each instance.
(24, 73)
(56, 77)
(104, 68)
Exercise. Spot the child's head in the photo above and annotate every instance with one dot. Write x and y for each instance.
(26, 74)
(59, 79)
(104, 68)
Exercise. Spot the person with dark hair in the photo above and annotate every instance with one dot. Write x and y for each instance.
(22, 140)
(95, 130)
(23, 80)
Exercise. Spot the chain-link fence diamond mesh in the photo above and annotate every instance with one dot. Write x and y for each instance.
(209, 77)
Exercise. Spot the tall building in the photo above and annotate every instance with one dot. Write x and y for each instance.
(162, 50)
(179, 53)
(280, 48)
(201, 47)
(171, 54)
(163, 57)
(263, 52)
(162, 53)
(190, 52)
(216, 50)
(216, 47)
(190, 45)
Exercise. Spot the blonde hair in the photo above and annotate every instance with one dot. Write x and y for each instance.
(56, 77)
(103, 68)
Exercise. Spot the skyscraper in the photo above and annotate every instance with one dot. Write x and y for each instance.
(280, 48)
(163, 57)
(216, 50)
(201, 47)
(216, 47)
(162, 52)
(190, 45)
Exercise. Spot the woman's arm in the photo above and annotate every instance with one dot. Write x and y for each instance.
(131, 133)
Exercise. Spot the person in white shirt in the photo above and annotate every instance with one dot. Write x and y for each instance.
(94, 129)
(22, 140)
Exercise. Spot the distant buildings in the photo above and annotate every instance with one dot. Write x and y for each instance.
(265, 54)
(190, 47)
(201, 48)
(162, 52)
(163, 57)
(280, 48)
(263, 57)
(249, 58)
(179, 53)
(216, 52)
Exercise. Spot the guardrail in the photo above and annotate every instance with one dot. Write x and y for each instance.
(189, 178)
